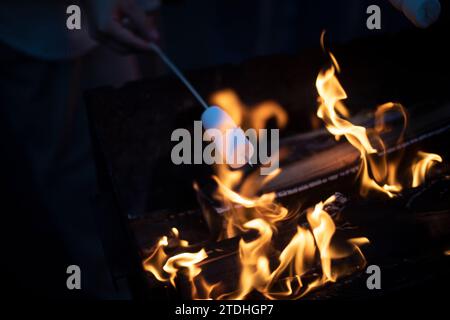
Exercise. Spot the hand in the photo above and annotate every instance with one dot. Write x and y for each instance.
(121, 24)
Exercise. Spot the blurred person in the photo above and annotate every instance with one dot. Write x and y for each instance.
(48, 174)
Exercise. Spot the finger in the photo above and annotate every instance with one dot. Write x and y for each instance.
(126, 38)
(137, 18)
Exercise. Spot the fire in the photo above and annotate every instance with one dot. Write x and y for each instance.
(323, 229)
(291, 264)
(332, 111)
(254, 262)
(228, 100)
(166, 268)
(308, 247)
(155, 262)
(420, 168)
(256, 116)
(235, 190)
(376, 172)
(234, 197)
(185, 260)
(295, 260)
(245, 205)
(266, 110)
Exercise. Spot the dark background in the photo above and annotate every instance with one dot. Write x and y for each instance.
(201, 32)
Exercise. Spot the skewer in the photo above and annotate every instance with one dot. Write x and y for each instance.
(234, 147)
(178, 73)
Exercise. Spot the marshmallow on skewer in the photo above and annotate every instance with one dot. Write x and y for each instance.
(233, 146)
(420, 12)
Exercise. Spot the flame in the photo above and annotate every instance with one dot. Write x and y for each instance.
(261, 207)
(420, 168)
(233, 187)
(229, 101)
(186, 263)
(374, 174)
(166, 268)
(323, 229)
(287, 266)
(331, 93)
(229, 178)
(260, 115)
(256, 116)
(184, 260)
(254, 262)
(234, 197)
(284, 281)
(155, 262)
(180, 242)
(275, 273)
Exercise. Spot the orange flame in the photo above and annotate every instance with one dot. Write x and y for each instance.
(166, 268)
(155, 262)
(184, 260)
(256, 274)
(374, 175)
(229, 101)
(323, 229)
(256, 116)
(420, 168)
(310, 258)
(273, 273)
(261, 207)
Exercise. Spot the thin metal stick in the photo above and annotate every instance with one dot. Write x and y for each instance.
(178, 73)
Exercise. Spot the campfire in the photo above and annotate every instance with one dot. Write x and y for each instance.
(360, 180)
(287, 251)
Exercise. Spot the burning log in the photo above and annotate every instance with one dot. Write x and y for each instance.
(397, 228)
(418, 236)
(340, 159)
